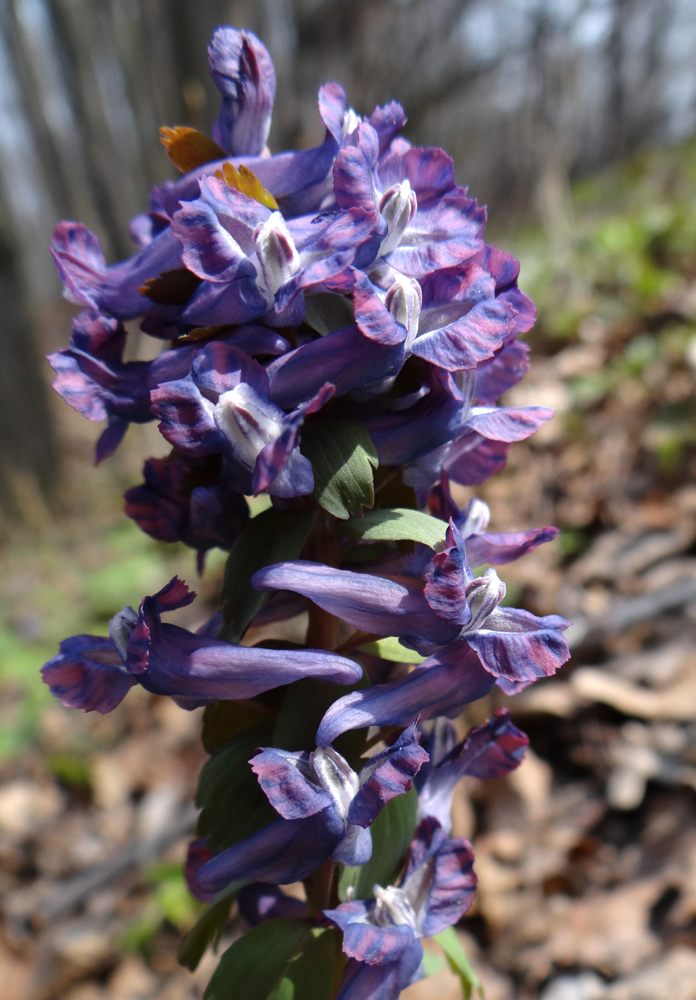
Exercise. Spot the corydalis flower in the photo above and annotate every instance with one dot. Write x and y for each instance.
(326, 809)
(95, 673)
(382, 936)
(489, 751)
(223, 407)
(449, 605)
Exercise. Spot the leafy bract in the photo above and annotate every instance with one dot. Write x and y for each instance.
(232, 803)
(281, 959)
(391, 649)
(458, 962)
(392, 833)
(398, 524)
(343, 459)
(273, 536)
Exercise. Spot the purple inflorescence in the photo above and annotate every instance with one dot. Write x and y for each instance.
(339, 339)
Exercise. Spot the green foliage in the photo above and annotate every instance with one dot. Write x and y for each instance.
(392, 833)
(458, 962)
(273, 536)
(303, 708)
(232, 804)
(391, 649)
(71, 769)
(280, 959)
(207, 929)
(343, 459)
(396, 524)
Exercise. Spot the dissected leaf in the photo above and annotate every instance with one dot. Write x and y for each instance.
(343, 459)
(245, 181)
(206, 930)
(188, 149)
(270, 537)
(281, 959)
(392, 833)
(398, 523)
(232, 803)
(458, 962)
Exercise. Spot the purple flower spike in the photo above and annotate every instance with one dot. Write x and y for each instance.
(242, 71)
(489, 751)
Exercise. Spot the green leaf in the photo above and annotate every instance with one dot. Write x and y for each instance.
(431, 963)
(392, 833)
(303, 708)
(280, 959)
(232, 802)
(391, 649)
(343, 459)
(458, 962)
(273, 536)
(396, 524)
(326, 312)
(206, 930)
(224, 719)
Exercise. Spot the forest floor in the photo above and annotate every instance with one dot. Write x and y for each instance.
(586, 855)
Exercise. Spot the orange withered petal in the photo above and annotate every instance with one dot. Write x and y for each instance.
(247, 182)
(189, 149)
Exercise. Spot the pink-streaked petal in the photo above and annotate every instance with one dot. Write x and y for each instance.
(386, 775)
(518, 646)
(506, 423)
(364, 940)
(88, 673)
(284, 777)
(242, 70)
(504, 547)
(445, 589)
(380, 982)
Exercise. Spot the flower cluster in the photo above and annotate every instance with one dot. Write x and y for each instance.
(339, 337)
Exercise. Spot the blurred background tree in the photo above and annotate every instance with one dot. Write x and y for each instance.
(523, 93)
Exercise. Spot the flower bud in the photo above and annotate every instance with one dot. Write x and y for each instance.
(404, 300)
(351, 120)
(277, 254)
(248, 421)
(120, 628)
(483, 595)
(477, 517)
(397, 207)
